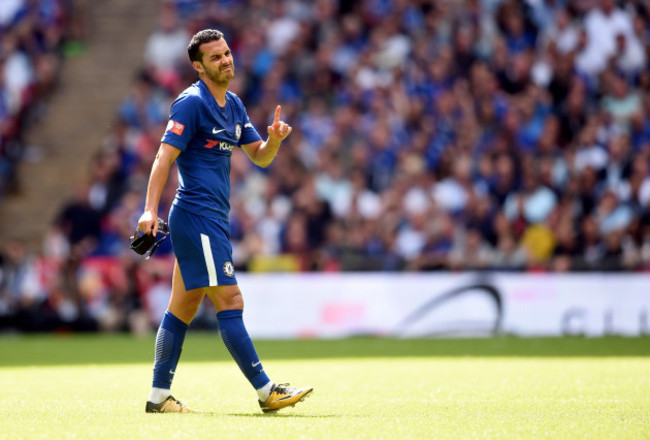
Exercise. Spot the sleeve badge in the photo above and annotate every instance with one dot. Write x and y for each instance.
(175, 127)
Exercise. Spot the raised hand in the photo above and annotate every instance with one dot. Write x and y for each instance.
(279, 130)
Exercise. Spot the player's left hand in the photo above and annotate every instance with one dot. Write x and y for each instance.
(279, 130)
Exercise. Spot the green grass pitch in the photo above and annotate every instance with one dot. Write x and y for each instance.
(95, 387)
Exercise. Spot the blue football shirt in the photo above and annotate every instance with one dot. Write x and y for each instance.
(206, 134)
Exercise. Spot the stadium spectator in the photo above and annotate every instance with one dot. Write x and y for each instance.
(603, 24)
(166, 47)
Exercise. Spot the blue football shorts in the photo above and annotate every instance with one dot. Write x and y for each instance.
(202, 247)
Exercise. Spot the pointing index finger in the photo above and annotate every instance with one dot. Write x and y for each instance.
(276, 119)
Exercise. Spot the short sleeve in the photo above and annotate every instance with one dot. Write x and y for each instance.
(183, 121)
(248, 132)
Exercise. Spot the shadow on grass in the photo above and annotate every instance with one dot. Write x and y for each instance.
(287, 415)
(23, 350)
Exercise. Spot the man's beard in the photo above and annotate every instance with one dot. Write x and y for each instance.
(218, 77)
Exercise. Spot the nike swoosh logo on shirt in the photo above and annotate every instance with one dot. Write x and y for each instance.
(215, 131)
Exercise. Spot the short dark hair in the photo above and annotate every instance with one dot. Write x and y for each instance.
(204, 36)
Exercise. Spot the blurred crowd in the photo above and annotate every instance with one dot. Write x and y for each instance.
(35, 37)
(428, 135)
(32, 37)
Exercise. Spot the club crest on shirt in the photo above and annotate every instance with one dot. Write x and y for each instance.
(238, 131)
(229, 269)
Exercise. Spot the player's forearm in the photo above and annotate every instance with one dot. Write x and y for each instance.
(266, 152)
(157, 181)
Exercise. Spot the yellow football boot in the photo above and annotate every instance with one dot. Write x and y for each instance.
(170, 405)
(282, 396)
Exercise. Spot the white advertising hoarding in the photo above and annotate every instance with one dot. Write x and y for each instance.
(421, 305)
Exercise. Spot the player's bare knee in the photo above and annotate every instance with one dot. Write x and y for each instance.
(226, 297)
(185, 304)
(236, 301)
(193, 305)
(230, 298)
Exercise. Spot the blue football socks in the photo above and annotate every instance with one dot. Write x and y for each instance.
(240, 346)
(169, 344)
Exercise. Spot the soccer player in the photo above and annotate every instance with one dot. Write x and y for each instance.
(206, 122)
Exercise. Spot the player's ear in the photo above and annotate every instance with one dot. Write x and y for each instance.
(197, 66)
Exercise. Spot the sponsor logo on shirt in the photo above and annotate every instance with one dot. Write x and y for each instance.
(175, 127)
(223, 146)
